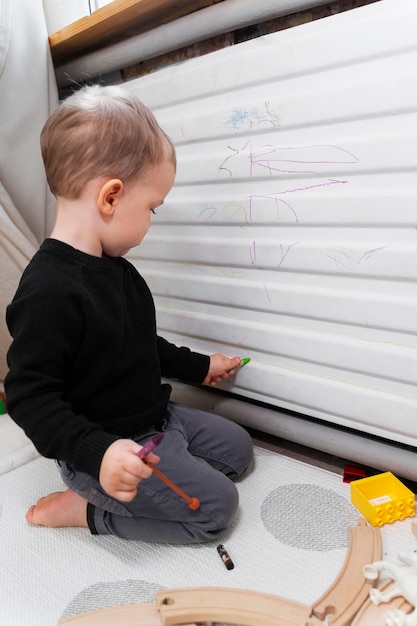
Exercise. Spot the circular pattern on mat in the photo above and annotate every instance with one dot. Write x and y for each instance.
(308, 517)
(106, 594)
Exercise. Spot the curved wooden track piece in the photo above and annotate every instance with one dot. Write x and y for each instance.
(234, 606)
(341, 602)
(126, 615)
(349, 591)
(371, 614)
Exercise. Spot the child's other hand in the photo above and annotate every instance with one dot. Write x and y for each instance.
(121, 469)
(221, 367)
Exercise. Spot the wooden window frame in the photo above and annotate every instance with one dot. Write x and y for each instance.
(115, 22)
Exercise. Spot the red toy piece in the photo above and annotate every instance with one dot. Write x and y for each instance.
(352, 472)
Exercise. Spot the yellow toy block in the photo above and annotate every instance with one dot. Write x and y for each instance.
(382, 499)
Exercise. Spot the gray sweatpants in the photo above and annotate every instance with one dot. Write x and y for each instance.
(201, 453)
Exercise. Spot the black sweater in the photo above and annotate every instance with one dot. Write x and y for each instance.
(85, 364)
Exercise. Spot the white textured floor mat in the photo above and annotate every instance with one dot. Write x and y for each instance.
(289, 538)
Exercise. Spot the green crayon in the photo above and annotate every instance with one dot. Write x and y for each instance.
(242, 363)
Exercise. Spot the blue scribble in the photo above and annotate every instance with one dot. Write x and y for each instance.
(247, 118)
(241, 118)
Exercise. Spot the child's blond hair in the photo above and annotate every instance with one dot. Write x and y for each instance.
(101, 131)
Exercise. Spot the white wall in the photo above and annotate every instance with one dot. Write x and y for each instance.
(60, 13)
(290, 236)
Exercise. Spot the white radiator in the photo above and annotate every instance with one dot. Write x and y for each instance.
(291, 233)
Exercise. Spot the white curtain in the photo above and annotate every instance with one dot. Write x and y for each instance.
(28, 94)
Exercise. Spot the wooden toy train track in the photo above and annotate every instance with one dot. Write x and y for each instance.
(349, 591)
(341, 602)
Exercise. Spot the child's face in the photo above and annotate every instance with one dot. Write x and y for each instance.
(132, 218)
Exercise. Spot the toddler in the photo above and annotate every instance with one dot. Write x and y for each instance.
(86, 362)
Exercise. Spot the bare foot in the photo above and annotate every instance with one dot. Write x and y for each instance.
(58, 510)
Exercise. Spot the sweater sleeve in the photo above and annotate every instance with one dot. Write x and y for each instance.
(46, 332)
(182, 363)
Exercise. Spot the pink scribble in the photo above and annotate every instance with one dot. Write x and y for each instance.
(288, 206)
(285, 253)
(330, 181)
(252, 252)
(267, 293)
(269, 158)
(186, 133)
(276, 200)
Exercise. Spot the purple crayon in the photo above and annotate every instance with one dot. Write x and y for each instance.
(150, 445)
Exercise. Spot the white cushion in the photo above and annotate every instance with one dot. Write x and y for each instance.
(15, 448)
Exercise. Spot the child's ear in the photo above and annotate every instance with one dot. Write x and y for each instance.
(108, 196)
